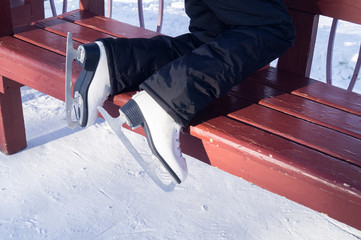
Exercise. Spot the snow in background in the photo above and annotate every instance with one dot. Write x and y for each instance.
(83, 184)
(346, 49)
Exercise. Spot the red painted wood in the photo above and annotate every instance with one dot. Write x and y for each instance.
(44, 39)
(282, 80)
(21, 14)
(5, 19)
(107, 25)
(285, 168)
(221, 107)
(310, 89)
(332, 96)
(122, 99)
(34, 67)
(271, 149)
(12, 129)
(24, 12)
(51, 41)
(37, 9)
(254, 91)
(320, 114)
(298, 59)
(312, 135)
(93, 6)
(348, 10)
(62, 28)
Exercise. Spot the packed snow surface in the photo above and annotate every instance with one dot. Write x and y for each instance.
(83, 184)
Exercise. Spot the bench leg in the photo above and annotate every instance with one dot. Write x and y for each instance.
(12, 128)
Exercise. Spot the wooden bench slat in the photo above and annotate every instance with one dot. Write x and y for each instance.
(62, 27)
(34, 67)
(282, 80)
(54, 38)
(290, 170)
(221, 107)
(323, 115)
(312, 135)
(254, 91)
(332, 96)
(39, 37)
(107, 25)
(227, 133)
(310, 89)
(309, 110)
(283, 167)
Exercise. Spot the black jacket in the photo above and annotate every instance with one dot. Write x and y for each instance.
(209, 18)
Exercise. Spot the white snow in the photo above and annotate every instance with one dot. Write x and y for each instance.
(83, 184)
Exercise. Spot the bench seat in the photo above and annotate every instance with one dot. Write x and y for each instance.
(278, 130)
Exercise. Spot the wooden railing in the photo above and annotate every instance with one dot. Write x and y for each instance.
(330, 47)
(110, 11)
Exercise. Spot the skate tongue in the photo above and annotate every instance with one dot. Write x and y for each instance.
(154, 169)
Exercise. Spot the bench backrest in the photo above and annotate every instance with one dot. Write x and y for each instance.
(305, 15)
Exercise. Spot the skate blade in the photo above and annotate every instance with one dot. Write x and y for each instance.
(71, 105)
(154, 169)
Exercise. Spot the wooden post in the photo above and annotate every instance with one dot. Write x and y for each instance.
(12, 128)
(37, 10)
(26, 12)
(298, 59)
(5, 19)
(93, 6)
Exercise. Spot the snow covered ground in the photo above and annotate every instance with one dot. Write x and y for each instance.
(83, 184)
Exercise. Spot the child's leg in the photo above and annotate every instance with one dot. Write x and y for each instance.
(131, 61)
(191, 82)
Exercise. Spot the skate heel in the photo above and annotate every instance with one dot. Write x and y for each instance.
(92, 85)
(89, 55)
(88, 58)
(133, 114)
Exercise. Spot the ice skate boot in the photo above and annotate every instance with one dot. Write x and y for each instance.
(161, 131)
(92, 86)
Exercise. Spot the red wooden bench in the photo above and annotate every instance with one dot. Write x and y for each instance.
(279, 129)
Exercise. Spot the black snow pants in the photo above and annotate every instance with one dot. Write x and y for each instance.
(185, 73)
